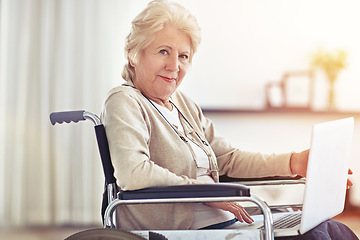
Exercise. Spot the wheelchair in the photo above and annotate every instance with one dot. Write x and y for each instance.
(198, 193)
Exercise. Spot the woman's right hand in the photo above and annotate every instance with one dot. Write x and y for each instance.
(235, 208)
(299, 162)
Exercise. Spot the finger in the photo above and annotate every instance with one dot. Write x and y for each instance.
(245, 216)
(349, 184)
(236, 210)
(239, 216)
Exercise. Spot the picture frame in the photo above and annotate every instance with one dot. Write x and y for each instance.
(294, 90)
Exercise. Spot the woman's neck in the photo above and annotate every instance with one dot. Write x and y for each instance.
(166, 103)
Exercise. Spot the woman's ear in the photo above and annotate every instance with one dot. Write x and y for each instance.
(132, 63)
(131, 58)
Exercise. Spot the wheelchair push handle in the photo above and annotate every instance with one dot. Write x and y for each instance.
(73, 116)
(68, 116)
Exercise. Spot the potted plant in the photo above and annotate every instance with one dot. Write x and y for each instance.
(331, 63)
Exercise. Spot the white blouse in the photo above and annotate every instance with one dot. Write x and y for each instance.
(203, 215)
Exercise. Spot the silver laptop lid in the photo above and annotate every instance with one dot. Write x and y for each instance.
(327, 172)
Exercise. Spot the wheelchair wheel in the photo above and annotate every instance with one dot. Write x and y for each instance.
(104, 234)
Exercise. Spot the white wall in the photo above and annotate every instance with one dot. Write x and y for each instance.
(246, 44)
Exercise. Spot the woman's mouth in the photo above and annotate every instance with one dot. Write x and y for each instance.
(168, 79)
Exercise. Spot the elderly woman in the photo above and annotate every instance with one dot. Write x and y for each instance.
(158, 136)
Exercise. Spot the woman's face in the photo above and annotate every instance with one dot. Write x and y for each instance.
(163, 64)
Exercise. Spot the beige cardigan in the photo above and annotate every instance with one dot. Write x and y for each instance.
(146, 152)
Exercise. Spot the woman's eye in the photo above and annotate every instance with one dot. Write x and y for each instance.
(185, 57)
(163, 51)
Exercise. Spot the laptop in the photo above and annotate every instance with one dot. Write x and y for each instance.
(326, 180)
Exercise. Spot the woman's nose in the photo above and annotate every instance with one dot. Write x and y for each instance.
(173, 64)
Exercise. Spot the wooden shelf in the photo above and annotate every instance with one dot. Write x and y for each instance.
(280, 111)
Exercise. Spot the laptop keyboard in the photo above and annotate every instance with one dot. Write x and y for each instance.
(288, 221)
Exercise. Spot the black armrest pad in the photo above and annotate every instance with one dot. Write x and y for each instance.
(187, 191)
(225, 178)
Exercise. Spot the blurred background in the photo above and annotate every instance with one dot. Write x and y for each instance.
(266, 71)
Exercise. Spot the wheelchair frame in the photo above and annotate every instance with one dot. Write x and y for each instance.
(115, 198)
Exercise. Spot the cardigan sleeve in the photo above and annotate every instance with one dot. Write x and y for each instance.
(127, 129)
(237, 163)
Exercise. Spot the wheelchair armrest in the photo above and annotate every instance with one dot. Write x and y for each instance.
(264, 181)
(191, 193)
(186, 191)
